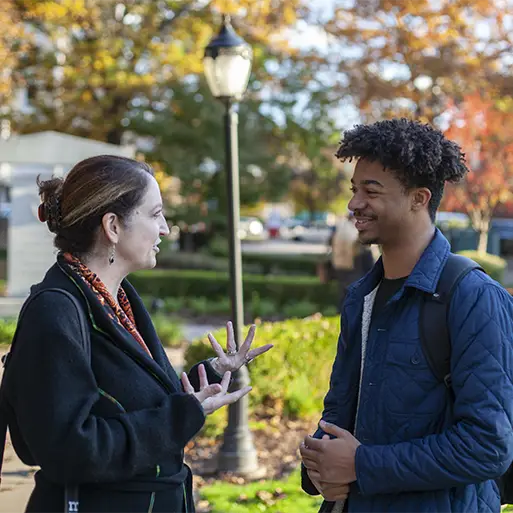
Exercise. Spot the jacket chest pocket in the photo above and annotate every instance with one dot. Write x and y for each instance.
(410, 388)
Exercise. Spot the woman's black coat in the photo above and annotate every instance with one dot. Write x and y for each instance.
(117, 425)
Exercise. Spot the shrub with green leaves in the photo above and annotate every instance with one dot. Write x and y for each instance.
(169, 331)
(494, 265)
(292, 379)
(7, 329)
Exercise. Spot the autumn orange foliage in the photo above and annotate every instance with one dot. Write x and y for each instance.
(484, 129)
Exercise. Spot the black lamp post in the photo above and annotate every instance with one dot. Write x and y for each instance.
(227, 65)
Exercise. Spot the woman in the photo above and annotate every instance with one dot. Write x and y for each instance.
(113, 419)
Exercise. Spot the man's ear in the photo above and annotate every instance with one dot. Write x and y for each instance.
(420, 198)
(111, 227)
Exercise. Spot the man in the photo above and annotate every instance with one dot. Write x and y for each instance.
(393, 438)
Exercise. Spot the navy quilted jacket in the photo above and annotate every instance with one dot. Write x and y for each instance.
(422, 452)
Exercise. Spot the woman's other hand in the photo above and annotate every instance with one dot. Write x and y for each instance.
(215, 396)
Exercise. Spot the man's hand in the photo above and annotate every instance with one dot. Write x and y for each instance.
(330, 462)
(330, 492)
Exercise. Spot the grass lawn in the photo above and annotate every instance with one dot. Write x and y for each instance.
(267, 496)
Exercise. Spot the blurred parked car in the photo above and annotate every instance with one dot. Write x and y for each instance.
(315, 232)
(251, 228)
(447, 220)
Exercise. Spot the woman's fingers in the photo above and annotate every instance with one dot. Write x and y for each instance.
(216, 346)
(207, 392)
(230, 338)
(218, 401)
(203, 380)
(248, 341)
(188, 388)
(258, 351)
(235, 396)
(225, 382)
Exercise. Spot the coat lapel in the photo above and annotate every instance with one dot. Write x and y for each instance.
(148, 333)
(104, 321)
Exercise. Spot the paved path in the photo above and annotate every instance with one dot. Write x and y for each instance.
(17, 478)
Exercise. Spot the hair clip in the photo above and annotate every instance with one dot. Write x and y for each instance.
(41, 214)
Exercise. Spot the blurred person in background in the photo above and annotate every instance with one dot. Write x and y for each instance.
(350, 260)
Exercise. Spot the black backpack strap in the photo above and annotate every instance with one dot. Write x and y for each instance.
(434, 330)
(71, 491)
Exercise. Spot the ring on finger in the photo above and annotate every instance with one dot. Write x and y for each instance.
(247, 360)
(231, 353)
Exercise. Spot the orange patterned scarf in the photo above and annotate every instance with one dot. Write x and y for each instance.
(122, 312)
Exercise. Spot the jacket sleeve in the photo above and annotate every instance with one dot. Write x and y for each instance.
(55, 391)
(479, 445)
(212, 375)
(329, 413)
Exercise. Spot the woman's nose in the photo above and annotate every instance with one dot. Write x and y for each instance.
(164, 229)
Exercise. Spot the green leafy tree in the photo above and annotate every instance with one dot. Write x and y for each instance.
(309, 135)
(188, 139)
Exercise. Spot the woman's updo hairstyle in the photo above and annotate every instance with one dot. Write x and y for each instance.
(73, 207)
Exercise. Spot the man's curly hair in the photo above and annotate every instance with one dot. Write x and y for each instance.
(416, 153)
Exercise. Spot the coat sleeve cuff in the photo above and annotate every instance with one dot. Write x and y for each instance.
(212, 375)
(360, 469)
(306, 482)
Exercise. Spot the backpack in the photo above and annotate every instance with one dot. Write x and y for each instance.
(71, 502)
(436, 342)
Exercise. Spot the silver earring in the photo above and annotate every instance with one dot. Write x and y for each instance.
(112, 255)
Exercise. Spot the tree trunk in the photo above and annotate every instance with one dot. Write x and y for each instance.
(483, 241)
(116, 111)
(481, 223)
(114, 136)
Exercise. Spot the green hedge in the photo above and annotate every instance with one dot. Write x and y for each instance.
(257, 308)
(252, 263)
(284, 264)
(192, 261)
(281, 289)
(494, 265)
(169, 331)
(291, 379)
